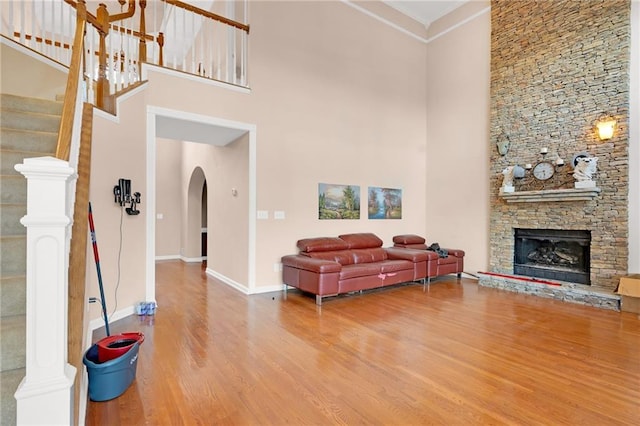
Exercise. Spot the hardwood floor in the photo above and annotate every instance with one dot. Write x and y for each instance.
(455, 354)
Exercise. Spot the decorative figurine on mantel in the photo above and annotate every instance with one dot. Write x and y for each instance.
(507, 180)
(584, 169)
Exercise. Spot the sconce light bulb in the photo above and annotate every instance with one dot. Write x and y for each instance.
(606, 128)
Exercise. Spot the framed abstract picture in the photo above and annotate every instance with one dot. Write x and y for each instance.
(384, 203)
(338, 201)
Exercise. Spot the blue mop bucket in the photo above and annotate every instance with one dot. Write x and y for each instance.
(109, 380)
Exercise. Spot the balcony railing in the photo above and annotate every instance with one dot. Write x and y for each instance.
(122, 35)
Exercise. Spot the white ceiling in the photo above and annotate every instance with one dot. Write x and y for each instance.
(425, 11)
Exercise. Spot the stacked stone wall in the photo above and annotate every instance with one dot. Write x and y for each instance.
(556, 67)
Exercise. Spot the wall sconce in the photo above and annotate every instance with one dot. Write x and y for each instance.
(605, 127)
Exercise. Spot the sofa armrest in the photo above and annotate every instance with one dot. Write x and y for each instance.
(455, 252)
(319, 266)
(409, 254)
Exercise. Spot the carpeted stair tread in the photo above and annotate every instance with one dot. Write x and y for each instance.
(11, 215)
(11, 158)
(12, 119)
(14, 295)
(13, 344)
(13, 189)
(20, 103)
(13, 252)
(28, 140)
(9, 381)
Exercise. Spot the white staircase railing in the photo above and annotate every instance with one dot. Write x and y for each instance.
(169, 33)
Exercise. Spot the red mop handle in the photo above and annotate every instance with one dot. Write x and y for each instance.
(94, 243)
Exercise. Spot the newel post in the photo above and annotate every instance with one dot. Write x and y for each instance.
(45, 395)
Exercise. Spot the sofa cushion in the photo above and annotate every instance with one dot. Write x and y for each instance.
(408, 239)
(447, 260)
(368, 255)
(362, 240)
(343, 257)
(411, 246)
(310, 245)
(360, 270)
(390, 266)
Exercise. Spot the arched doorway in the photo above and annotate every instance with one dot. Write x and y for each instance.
(195, 216)
(203, 247)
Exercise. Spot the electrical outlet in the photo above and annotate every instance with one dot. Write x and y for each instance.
(277, 267)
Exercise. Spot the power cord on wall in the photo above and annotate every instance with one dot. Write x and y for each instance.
(115, 308)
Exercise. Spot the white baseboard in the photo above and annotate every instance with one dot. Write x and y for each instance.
(169, 257)
(240, 287)
(269, 289)
(193, 259)
(95, 324)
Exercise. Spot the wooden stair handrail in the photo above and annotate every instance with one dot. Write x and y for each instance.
(210, 15)
(63, 146)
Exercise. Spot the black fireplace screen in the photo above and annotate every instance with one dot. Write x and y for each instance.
(553, 254)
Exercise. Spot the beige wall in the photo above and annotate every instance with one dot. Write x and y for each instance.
(457, 211)
(46, 78)
(118, 151)
(168, 198)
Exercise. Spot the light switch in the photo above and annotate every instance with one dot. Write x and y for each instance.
(263, 214)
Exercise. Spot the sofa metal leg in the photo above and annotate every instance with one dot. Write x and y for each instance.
(426, 282)
(318, 300)
(459, 274)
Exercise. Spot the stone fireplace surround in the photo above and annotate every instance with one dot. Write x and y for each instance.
(552, 76)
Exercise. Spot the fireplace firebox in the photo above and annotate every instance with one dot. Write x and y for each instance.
(562, 255)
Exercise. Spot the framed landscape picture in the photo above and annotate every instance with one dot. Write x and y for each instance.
(384, 203)
(338, 201)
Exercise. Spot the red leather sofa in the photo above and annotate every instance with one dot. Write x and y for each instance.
(329, 266)
(453, 263)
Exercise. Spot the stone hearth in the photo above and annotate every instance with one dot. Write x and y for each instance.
(551, 289)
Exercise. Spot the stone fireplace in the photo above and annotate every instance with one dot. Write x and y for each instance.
(552, 77)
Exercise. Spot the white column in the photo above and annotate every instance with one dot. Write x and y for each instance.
(45, 395)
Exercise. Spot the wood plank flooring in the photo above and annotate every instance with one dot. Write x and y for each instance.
(455, 354)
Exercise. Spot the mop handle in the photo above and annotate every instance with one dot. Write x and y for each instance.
(94, 243)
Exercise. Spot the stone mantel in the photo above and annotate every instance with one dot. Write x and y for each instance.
(547, 195)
